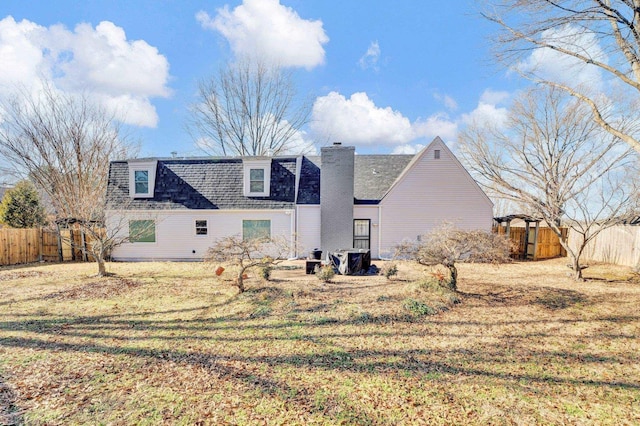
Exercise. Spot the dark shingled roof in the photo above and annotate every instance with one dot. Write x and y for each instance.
(203, 184)
(217, 183)
(374, 175)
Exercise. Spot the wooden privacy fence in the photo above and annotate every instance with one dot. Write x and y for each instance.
(619, 245)
(546, 246)
(34, 245)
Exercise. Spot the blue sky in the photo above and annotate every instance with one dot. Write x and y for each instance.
(385, 76)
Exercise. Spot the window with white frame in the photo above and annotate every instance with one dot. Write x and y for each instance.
(142, 176)
(257, 176)
(201, 227)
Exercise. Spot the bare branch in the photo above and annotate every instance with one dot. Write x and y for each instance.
(63, 143)
(601, 34)
(554, 160)
(249, 108)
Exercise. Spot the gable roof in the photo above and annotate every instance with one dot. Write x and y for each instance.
(439, 143)
(216, 183)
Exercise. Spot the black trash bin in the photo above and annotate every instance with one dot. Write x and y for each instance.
(315, 254)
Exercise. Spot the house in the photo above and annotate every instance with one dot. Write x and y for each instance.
(174, 209)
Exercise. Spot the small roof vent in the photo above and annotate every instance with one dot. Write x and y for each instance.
(337, 143)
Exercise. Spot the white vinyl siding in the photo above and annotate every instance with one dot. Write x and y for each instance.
(431, 192)
(174, 231)
(308, 229)
(371, 213)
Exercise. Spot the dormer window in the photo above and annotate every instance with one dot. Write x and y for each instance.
(141, 178)
(257, 176)
(142, 174)
(256, 180)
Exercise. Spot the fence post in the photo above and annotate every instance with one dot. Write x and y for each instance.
(84, 246)
(72, 240)
(41, 244)
(60, 253)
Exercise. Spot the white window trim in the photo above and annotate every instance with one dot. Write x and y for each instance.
(150, 167)
(256, 163)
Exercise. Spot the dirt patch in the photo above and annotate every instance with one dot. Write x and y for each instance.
(97, 289)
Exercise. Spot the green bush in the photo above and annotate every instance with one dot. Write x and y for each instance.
(417, 308)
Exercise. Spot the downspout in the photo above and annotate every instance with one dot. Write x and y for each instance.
(293, 227)
(294, 220)
(380, 231)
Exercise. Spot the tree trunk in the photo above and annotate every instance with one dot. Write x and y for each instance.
(240, 281)
(453, 272)
(102, 267)
(576, 268)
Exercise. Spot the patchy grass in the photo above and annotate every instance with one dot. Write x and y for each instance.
(171, 343)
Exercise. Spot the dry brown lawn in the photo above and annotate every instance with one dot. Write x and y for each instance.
(169, 343)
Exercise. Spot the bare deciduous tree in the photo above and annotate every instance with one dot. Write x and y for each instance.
(64, 144)
(555, 162)
(448, 245)
(601, 37)
(246, 254)
(249, 108)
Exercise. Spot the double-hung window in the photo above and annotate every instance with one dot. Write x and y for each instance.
(256, 180)
(141, 181)
(201, 227)
(257, 176)
(142, 178)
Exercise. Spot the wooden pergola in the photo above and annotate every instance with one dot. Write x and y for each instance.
(530, 246)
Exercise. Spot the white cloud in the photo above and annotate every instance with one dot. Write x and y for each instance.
(489, 109)
(123, 74)
(494, 97)
(408, 149)
(449, 103)
(269, 30)
(20, 58)
(438, 124)
(358, 120)
(371, 57)
(553, 65)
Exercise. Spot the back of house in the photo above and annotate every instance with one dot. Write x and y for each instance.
(175, 209)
